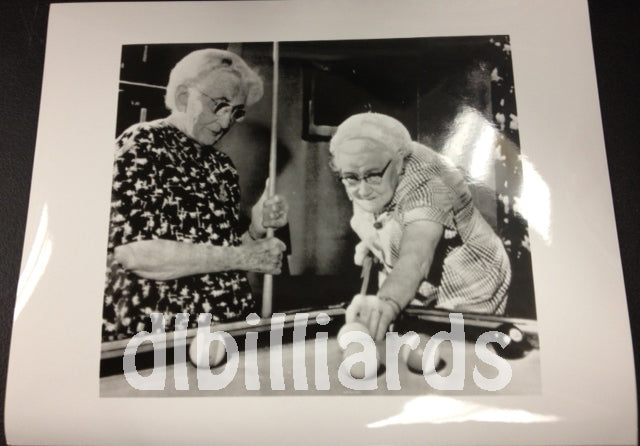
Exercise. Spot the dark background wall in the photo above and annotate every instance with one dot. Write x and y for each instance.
(616, 39)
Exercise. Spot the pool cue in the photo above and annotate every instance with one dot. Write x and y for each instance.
(367, 266)
(366, 273)
(267, 287)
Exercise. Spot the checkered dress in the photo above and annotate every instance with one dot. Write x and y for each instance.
(470, 270)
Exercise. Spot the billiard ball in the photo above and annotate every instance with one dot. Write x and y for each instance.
(517, 342)
(353, 326)
(415, 358)
(358, 370)
(207, 359)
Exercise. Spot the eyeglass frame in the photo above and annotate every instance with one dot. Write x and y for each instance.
(367, 177)
(219, 105)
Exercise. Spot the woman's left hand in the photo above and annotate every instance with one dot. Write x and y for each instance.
(372, 311)
(272, 212)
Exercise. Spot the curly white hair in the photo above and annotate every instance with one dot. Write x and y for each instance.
(198, 64)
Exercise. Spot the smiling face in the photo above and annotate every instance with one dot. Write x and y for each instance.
(206, 109)
(361, 158)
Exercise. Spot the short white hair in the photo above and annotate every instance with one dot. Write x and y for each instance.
(201, 63)
(390, 133)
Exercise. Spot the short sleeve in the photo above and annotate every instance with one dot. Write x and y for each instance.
(135, 197)
(427, 200)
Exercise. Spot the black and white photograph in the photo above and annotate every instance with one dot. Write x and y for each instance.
(389, 197)
(329, 222)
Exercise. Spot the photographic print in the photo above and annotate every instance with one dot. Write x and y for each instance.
(332, 221)
(437, 121)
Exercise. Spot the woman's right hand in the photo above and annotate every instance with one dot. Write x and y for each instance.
(262, 256)
(373, 312)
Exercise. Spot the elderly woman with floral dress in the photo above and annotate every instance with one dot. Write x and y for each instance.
(176, 244)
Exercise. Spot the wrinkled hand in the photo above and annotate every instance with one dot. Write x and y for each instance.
(275, 212)
(376, 314)
(263, 256)
(268, 212)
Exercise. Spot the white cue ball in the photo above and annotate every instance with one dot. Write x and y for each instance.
(207, 359)
(358, 370)
(381, 352)
(352, 326)
(414, 357)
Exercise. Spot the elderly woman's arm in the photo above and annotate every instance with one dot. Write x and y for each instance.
(417, 247)
(166, 259)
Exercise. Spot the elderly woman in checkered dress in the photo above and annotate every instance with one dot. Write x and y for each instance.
(413, 211)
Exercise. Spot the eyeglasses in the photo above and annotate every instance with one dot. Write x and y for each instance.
(220, 107)
(371, 178)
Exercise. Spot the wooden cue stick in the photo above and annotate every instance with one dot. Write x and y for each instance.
(267, 287)
(367, 265)
(366, 273)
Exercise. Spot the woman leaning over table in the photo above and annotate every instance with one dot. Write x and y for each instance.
(413, 211)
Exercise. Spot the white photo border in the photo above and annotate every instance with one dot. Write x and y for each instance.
(580, 298)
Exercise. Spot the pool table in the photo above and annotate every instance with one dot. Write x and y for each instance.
(301, 380)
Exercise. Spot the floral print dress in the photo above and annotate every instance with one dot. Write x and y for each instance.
(167, 186)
